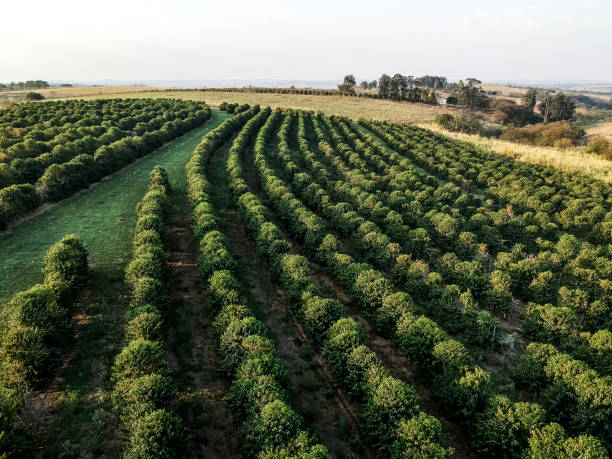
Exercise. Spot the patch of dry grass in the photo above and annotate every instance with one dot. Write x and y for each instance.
(602, 130)
(569, 160)
(352, 107)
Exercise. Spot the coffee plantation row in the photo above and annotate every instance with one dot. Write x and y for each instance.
(490, 279)
(50, 151)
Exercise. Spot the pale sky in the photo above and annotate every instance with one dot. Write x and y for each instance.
(250, 39)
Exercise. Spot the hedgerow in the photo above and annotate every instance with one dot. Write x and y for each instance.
(143, 393)
(386, 400)
(269, 425)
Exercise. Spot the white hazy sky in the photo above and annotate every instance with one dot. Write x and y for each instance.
(248, 39)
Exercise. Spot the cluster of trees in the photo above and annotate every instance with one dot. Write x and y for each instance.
(291, 90)
(143, 392)
(400, 87)
(35, 334)
(258, 395)
(559, 134)
(30, 84)
(469, 94)
(463, 122)
(73, 158)
(390, 410)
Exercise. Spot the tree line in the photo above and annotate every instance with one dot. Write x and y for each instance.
(29, 84)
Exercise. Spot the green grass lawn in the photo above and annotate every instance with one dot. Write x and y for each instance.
(103, 217)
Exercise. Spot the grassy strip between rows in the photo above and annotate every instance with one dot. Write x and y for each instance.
(102, 217)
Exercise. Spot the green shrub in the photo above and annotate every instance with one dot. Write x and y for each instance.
(229, 314)
(66, 261)
(393, 308)
(224, 288)
(319, 313)
(390, 402)
(149, 222)
(134, 397)
(274, 427)
(155, 434)
(304, 446)
(138, 358)
(25, 351)
(231, 342)
(250, 395)
(504, 428)
(147, 265)
(147, 326)
(419, 437)
(147, 237)
(147, 290)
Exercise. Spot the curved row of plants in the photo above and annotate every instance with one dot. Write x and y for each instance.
(391, 421)
(306, 225)
(574, 202)
(458, 313)
(590, 395)
(558, 324)
(35, 334)
(258, 397)
(74, 165)
(143, 392)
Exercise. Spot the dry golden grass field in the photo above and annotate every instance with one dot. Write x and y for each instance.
(603, 130)
(572, 159)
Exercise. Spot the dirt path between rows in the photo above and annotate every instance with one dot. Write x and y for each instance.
(326, 410)
(457, 434)
(58, 414)
(192, 347)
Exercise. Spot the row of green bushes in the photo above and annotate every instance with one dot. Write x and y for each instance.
(36, 333)
(62, 180)
(478, 326)
(143, 392)
(529, 284)
(418, 336)
(390, 419)
(596, 346)
(576, 394)
(575, 202)
(465, 391)
(523, 276)
(25, 150)
(258, 396)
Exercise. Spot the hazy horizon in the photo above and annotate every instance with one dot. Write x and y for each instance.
(274, 40)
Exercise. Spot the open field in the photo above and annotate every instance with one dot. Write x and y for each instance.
(339, 105)
(59, 92)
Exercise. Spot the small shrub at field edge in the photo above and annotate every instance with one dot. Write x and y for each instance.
(600, 146)
(561, 134)
(466, 123)
(34, 96)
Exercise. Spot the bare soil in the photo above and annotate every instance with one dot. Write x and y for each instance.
(192, 347)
